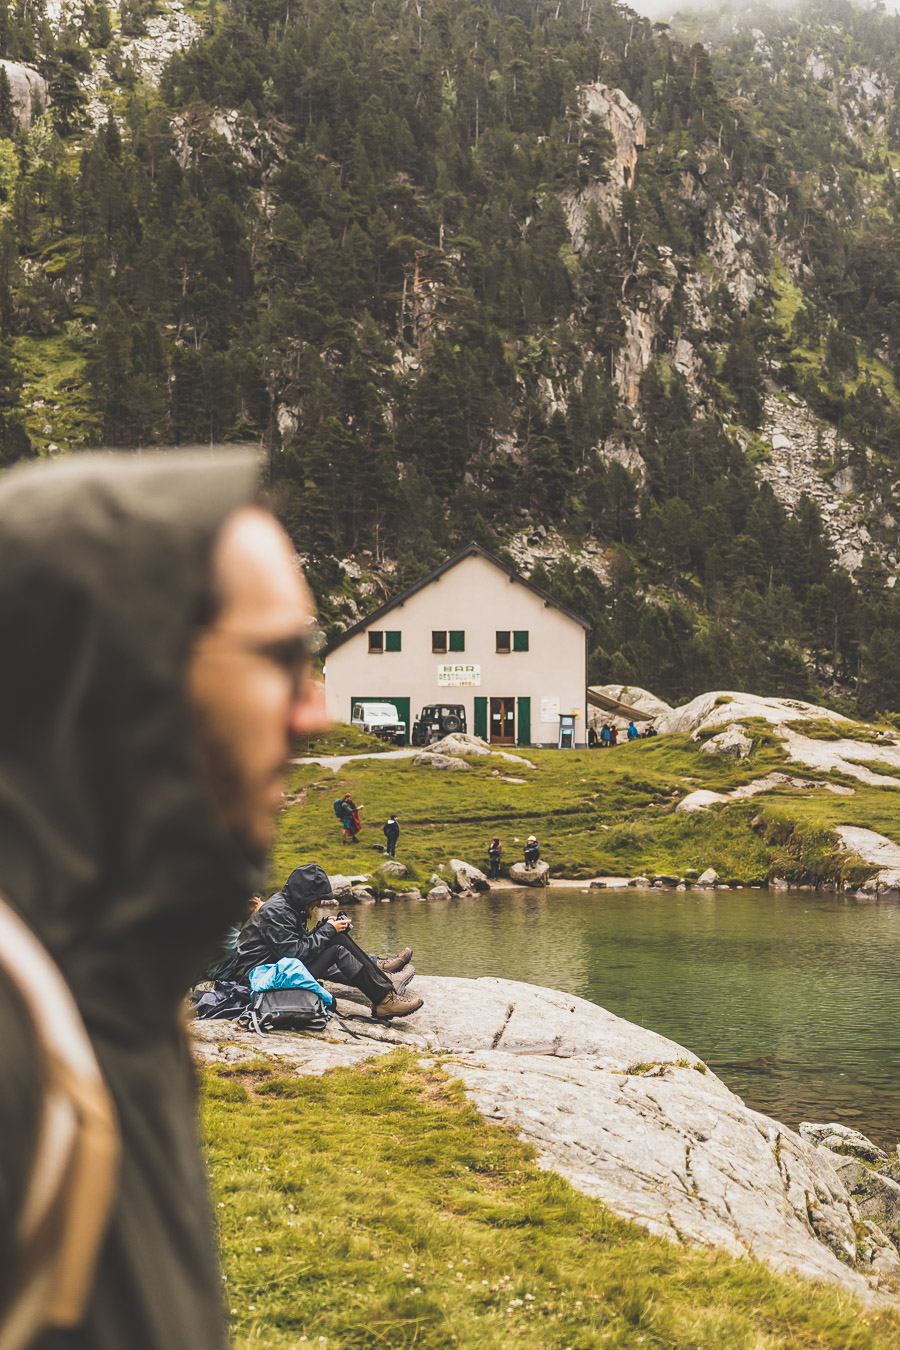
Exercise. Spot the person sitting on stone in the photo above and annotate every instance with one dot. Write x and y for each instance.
(280, 928)
(532, 852)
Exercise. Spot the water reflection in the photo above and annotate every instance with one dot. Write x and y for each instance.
(793, 999)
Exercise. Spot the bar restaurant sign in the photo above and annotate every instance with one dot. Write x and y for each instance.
(459, 676)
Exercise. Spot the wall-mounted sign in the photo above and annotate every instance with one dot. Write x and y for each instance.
(549, 709)
(459, 676)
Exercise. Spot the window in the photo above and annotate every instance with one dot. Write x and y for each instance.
(384, 642)
(439, 641)
(503, 641)
(516, 641)
(520, 641)
(457, 640)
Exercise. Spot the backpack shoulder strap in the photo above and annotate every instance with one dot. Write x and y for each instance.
(74, 1169)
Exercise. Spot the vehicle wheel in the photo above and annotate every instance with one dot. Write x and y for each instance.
(452, 723)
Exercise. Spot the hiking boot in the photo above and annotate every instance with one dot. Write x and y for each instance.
(400, 979)
(391, 964)
(392, 1005)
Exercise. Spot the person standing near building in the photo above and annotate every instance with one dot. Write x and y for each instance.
(632, 731)
(495, 851)
(605, 736)
(350, 822)
(391, 831)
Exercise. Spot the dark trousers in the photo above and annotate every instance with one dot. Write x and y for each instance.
(345, 963)
(495, 868)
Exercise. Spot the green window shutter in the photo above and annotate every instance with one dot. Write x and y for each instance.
(480, 728)
(520, 641)
(392, 641)
(523, 720)
(457, 640)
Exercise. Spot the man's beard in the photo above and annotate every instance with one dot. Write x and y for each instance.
(228, 788)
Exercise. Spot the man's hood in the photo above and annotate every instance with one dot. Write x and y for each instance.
(307, 886)
(110, 846)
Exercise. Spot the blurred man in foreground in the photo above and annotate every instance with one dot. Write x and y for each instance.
(153, 673)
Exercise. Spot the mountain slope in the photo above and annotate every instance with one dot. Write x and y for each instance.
(541, 275)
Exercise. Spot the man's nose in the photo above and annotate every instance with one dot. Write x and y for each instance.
(307, 710)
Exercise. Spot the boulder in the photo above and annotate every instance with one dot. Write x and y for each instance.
(720, 707)
(639, 881)
(539, 875)
(467, 877)
(441, 892)
(624, 1114)
(392, 868)
(364, 895)
(700, 800)
(733, 741)
(430, 760)
(663, 879)
(459, 743)
(842, 1139)
(877, 1196)
(412, 894)
(343, 886)
(707, 878)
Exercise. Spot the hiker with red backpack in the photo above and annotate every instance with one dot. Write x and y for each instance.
(347, 813)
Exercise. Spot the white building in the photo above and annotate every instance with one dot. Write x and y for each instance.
(473, 632)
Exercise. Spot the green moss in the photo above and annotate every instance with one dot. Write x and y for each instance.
(375, 1207)
(54, 377)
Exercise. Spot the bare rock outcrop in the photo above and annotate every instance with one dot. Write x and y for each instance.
(28, 89)
(626, 1115)
(624, 121)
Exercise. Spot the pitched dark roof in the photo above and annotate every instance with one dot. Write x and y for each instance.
(473, 551)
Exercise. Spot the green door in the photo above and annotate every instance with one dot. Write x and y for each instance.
(401, 704)
(523, 721)
(480, 728)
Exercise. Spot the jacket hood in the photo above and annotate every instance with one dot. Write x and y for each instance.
(306, 886)
(110, 846)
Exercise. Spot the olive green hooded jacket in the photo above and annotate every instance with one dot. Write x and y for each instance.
(110, 848)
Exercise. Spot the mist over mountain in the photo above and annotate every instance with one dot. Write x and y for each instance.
(620, 303)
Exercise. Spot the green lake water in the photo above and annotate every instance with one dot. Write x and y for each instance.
(791, 997)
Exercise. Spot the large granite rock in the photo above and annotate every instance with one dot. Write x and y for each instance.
(539, 875)
(467, 877)
(733, 742)
(842, 1139)
(428, 759)
(625, 1115)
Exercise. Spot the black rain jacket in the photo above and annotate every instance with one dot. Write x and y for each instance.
(279, 927)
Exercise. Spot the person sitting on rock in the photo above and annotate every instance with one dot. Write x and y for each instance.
(280, 928)
(532, 852)
(495, 850)
(391, 831)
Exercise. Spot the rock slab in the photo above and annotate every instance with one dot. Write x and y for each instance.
(539, 875)
(626, 1115)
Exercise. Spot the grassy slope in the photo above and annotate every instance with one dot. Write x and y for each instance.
(594, 812)
(373, 1207)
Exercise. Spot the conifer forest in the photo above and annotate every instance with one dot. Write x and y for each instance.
(617, 299)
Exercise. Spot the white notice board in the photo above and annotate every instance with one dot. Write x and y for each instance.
(549, 709)
(459, 676)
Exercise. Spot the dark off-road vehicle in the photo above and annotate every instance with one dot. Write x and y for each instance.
(437, 721)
